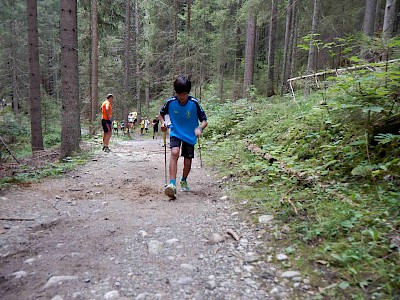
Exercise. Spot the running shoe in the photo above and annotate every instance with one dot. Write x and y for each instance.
(184, 185)
(170, 191)
(106, 149)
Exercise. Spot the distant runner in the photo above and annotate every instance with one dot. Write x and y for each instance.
(146, 124)
(115, 126)
(185, 112)
(106, 121)
(155, 127)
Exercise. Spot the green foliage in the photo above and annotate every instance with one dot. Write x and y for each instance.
(28, 174)
(343, 208)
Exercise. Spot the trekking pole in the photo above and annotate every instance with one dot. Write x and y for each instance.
(165, 157)
(201, 161)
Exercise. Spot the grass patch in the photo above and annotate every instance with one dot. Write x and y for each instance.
(343, 208)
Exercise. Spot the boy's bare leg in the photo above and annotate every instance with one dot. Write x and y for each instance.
(173, 163)
(187, 165)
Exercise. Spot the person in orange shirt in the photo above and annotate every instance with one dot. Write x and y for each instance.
(106, 121)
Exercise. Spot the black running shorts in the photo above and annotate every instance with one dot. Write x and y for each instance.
(187, 149)
(106, 125)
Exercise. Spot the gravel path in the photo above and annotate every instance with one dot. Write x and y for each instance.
(106, 231)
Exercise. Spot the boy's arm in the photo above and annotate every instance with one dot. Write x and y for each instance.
(202, 118)
(163, 112)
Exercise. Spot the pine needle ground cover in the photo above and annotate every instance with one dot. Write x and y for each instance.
(312, 163)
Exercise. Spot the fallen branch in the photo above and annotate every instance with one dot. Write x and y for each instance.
(16, 219)
(8, 150)
(339, 71)
(233, 234)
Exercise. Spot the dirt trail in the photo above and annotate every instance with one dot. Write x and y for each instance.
(106, 231)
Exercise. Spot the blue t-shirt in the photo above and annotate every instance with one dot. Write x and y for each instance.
(184, 118)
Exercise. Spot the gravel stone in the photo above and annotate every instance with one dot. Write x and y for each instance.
(20, 274)
(215, 238)
(111, 295)
(154, 247)
(143, 233)
(57, 279)
(281, 257)
(172, 242)
(187, 267)
(185, 280)
(265, 219)
(251, 257)
(290, 274)
(211, 285)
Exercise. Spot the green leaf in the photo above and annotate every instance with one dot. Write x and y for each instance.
(376, 109)
(290, 250)
(344, 285)
(358, 143)
(362, 170)
(347, 224)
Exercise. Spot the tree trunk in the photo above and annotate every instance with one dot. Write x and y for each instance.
(292, 39)
(34, 77)
(389, 19)
(313, 49)
(70, 131)
(175, 46)
(249, 51)
(378, 16)
(286, 47)
(127, 55)
(94, 67)
(137, 40)
(147, 96)
(369, 17)
(271, 49)
(15, 102)
(189, 4)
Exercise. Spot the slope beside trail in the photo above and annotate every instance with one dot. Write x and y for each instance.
(106, 231)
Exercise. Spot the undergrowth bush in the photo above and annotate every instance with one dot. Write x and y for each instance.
(341, 196)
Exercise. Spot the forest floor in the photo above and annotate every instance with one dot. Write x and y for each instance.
(106, 231)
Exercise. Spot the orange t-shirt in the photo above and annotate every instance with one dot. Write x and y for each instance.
(106, 105)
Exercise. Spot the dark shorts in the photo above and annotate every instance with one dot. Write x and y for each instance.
(155, 129)
(187, 149)
(106, 125)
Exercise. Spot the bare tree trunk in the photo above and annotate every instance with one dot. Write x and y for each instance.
(286, 47)
(271, 49)
(369, 17)
(249, 52)
(127, 55)
(15, 102)
(312, 51)
(292, 40)
(175, 46)
(137, 40)
(147, 97)
(189, 4)
(34, 77)
(378, 15)
(94, 67)
(71, 128)
(389, 19)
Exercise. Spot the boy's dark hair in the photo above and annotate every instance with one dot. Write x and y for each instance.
(109, 96)
(182, 84)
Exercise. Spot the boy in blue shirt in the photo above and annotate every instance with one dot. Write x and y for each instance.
(185, 112)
